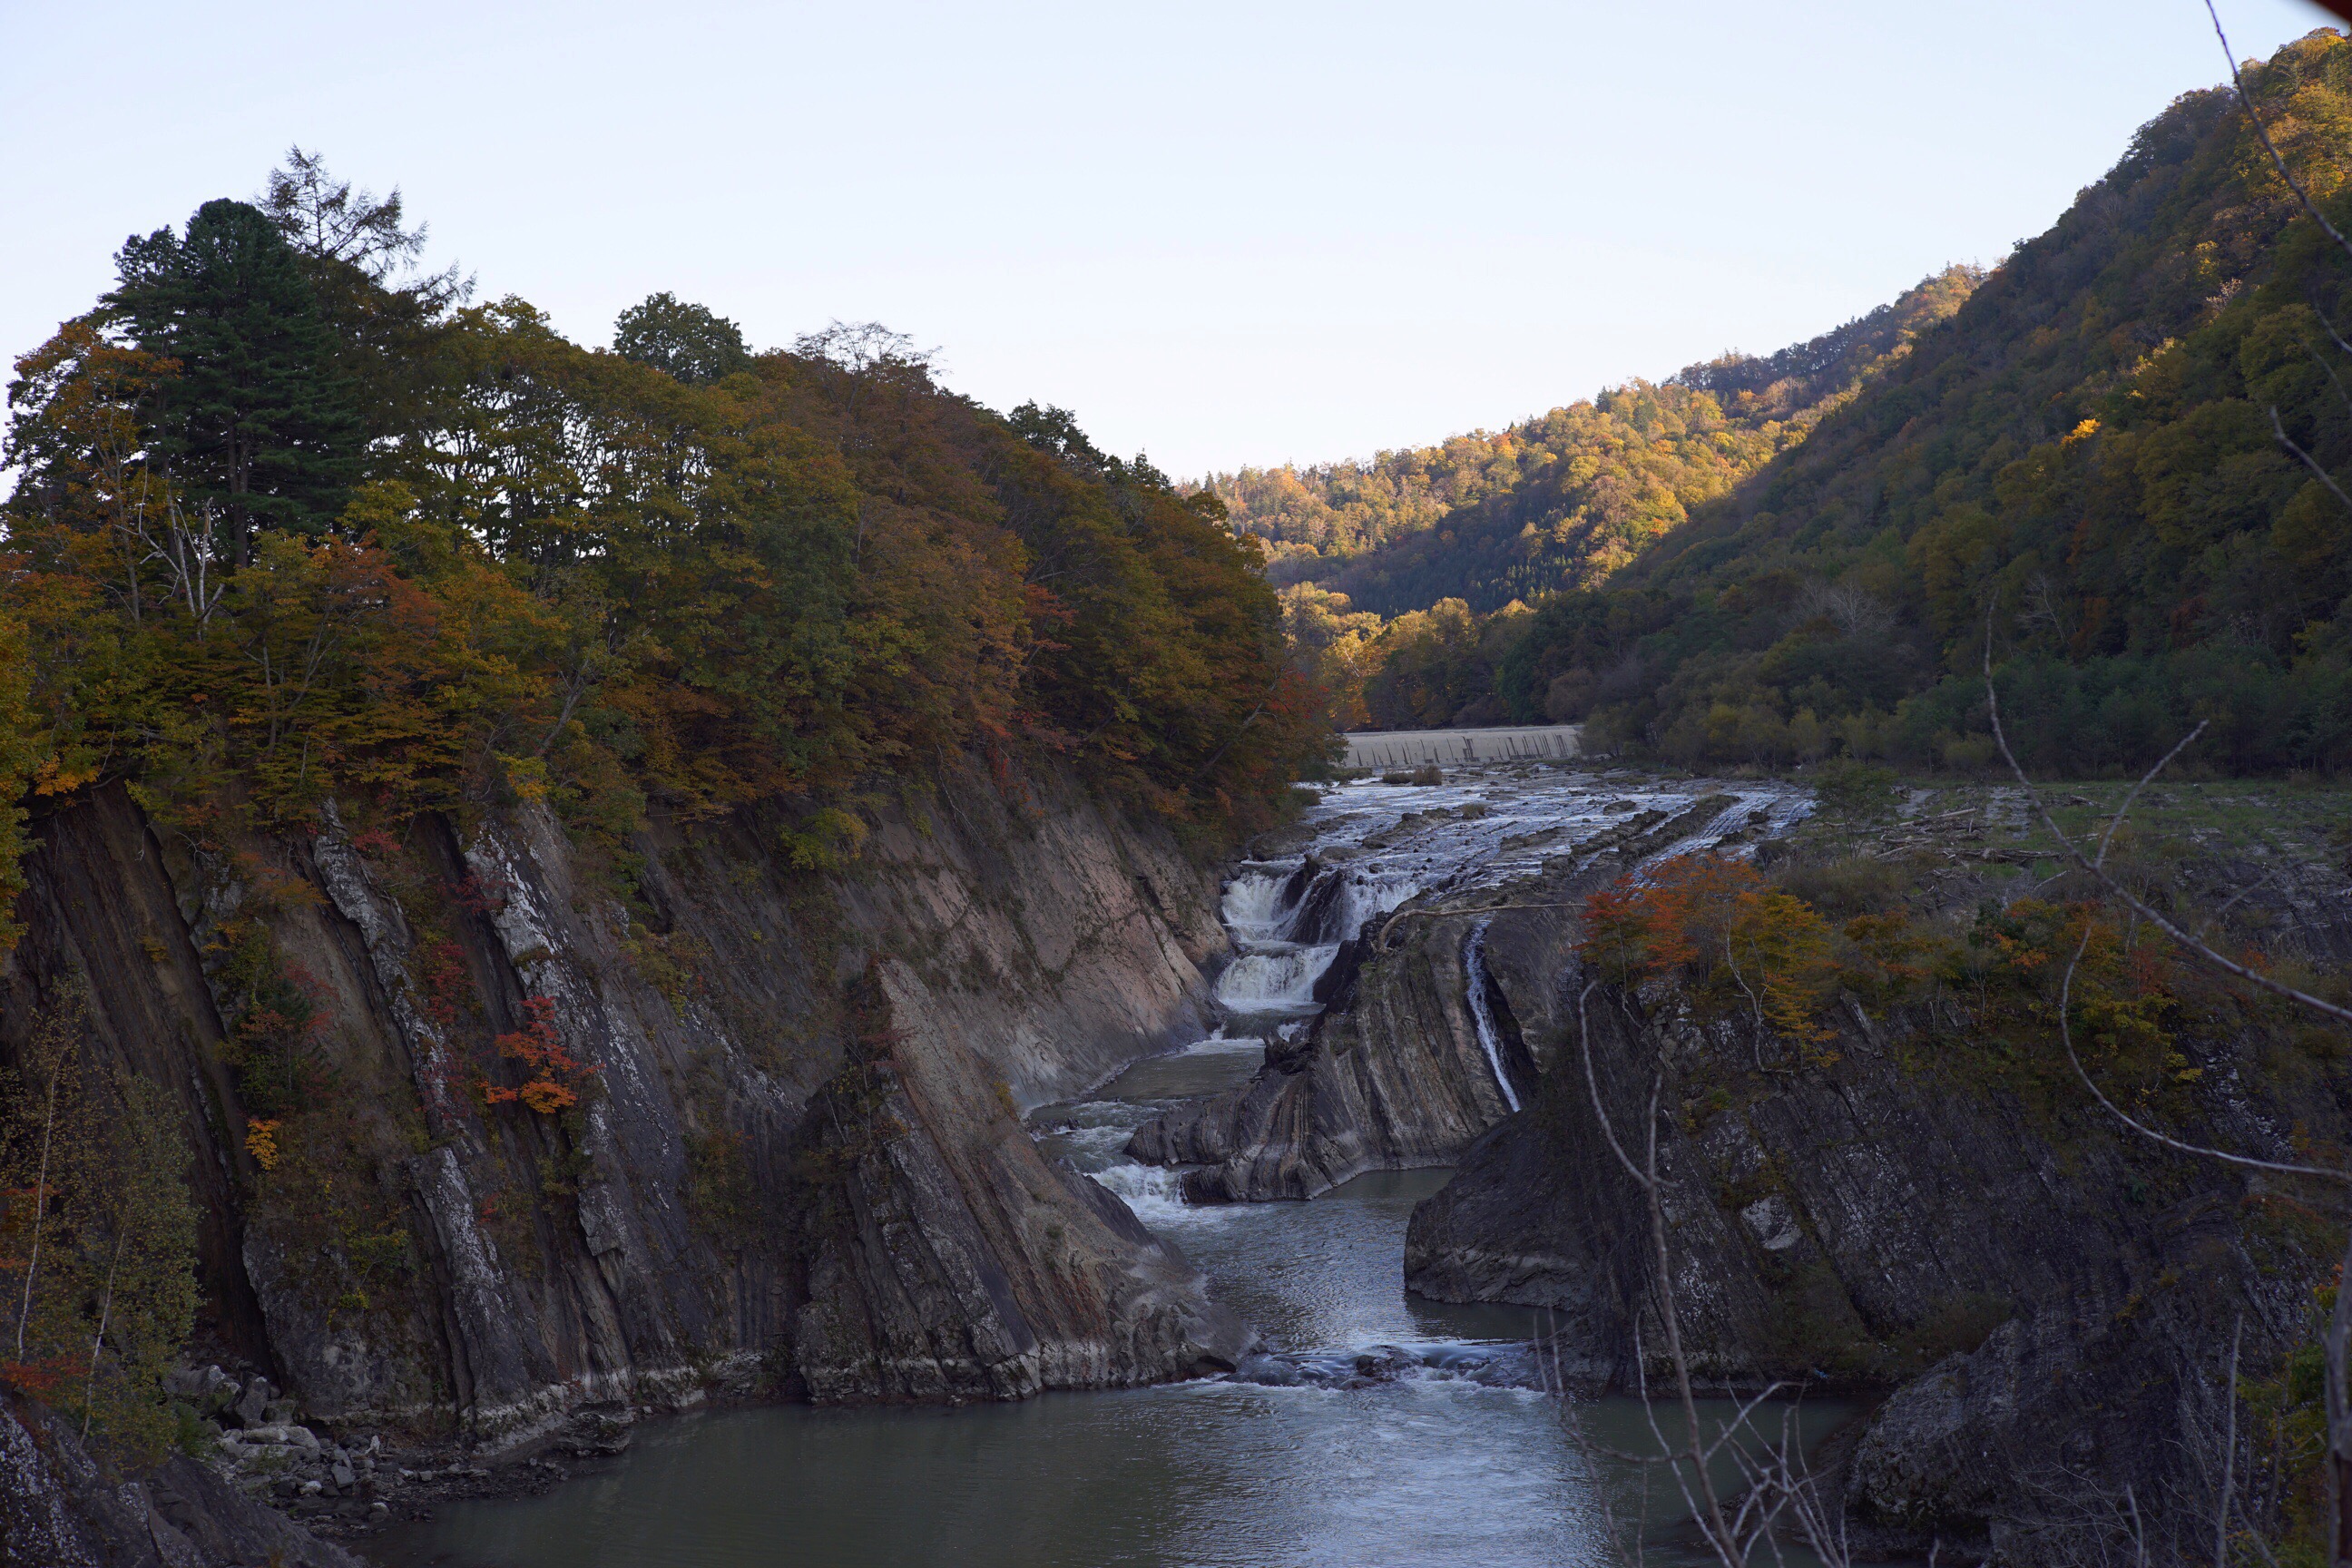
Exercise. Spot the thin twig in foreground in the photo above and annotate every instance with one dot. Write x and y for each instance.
(2099, 873)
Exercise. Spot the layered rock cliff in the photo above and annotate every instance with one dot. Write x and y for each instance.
(1400, 1068)
(61, 1507)
(1924, 1207)
(564, 1131)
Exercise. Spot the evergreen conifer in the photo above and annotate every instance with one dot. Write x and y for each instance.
(260, 421)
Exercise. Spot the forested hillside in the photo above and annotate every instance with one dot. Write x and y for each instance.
(2085, 450)
(296, 522)
(1562, 500)
(1391, 569)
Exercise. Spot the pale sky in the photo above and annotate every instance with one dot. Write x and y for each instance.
(1220, 234)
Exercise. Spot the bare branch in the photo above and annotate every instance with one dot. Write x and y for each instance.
(1608, 1129)
(2066, 1035)
(2099, 873)
(2146, 779)
(2336, 381)
(2264, 881)
(1711, 1523)
(2229, 1451)
(2246, 102)
(2308, 460)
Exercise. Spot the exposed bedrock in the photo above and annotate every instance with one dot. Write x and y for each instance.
(60, 1507)
(1399, 1070)
(1394, 1076)
(2051, 1299)
(795, 1162)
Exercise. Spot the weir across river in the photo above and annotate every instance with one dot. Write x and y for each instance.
(1413, 748)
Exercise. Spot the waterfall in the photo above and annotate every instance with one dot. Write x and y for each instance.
(1252, 904)
(1474, 968)
(1288, 925)
(1155, 1194)
(1279, 980)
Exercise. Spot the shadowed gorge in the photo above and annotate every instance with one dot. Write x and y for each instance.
(668, 954)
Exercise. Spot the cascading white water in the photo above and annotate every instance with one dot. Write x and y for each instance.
(1251, 906)
(1281, 981)
(1156, 1194)
(1287, 928)
(1482, 1013)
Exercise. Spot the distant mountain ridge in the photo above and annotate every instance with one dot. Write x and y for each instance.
(1562, 500)
(2087, 462)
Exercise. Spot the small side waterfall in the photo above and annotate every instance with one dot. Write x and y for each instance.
(1482, 1013)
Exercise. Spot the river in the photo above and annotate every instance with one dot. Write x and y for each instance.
(1442, 1463)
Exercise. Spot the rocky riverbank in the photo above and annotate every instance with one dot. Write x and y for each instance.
(788, 1162)
(1924, 1203)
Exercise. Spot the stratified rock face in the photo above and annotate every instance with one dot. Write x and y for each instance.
(1395, 1076)
(61, 1509)
(795, 1160)
(2052, 1298)
(1398, 1069)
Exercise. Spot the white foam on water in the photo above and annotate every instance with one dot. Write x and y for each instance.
(1251, 905)
(1275, 982)
(1223, 1045)
(1155, 1194)
(1096, 1146)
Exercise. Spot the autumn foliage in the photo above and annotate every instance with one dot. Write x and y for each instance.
(550, 574)
(554, 1076)
(1714, 927)
(1715, 936)
(96, 1232)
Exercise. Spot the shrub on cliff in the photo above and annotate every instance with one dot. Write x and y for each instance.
(1722, 937)
(96, 1236)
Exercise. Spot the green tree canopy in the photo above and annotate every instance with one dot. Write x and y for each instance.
(690, 341)
(260, 422)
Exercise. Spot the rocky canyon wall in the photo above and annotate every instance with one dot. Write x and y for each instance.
(560, 1131)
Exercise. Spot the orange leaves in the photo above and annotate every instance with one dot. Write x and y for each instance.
(261, 1140)
(42, 1379)
(1778, 949)
(555, 1074)
(441, 974)
(1735, 944)
(1677, 916)
(581, 583)
(1882, 953)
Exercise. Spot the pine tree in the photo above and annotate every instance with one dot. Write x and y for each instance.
(389, 319)
(259, 423)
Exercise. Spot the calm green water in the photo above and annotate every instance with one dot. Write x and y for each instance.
(1429, 1472)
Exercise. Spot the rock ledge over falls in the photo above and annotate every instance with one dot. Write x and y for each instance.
(1923, 1211)
(1370, 917)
